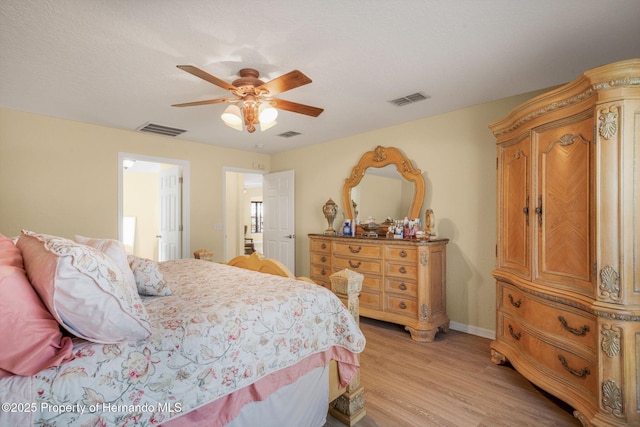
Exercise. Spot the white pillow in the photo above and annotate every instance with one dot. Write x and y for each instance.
(114, 249)
(83, 289)
(149, 279)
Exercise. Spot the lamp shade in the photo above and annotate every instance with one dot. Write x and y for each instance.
(266, 114)
(232, 117)
(265, 126)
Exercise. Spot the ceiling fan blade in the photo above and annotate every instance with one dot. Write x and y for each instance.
(291, 80)
(205, 102)
(206, 76)
(295, 107)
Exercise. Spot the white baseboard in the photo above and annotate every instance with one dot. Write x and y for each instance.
(473, 330)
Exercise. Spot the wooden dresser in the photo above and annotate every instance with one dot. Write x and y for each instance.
(568, 210)
(404, 280)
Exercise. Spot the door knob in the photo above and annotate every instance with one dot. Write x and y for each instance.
(291, 236)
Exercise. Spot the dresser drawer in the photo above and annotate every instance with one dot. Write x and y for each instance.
(372, 283)
(318, 245)
(359, 250)
(321, 259)
(357, 264)
(402, 287)
(405, 271)
(580, 372)
(320, 271)
(322, 281)
(399, 305)
(561, 320)
(370, 300)
(401, 253)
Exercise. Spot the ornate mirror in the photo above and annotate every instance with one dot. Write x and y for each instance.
(380, 158)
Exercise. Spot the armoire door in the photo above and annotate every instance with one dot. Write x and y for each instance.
(564, 204)
(514, 210)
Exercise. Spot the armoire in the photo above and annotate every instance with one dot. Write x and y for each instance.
(568, 243)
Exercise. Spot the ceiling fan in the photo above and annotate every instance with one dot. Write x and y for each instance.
(254, 102)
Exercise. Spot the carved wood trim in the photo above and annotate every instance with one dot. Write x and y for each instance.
(576, 98)
(608, 119)
(565, 140)
(378, 158)
(612, 398)
(610, 343)
(610, 283)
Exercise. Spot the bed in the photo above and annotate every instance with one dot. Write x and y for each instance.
(226, 346)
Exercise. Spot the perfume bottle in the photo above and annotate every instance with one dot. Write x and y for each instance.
(346, 230)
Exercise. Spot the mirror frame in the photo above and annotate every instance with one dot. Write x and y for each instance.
(378, 158)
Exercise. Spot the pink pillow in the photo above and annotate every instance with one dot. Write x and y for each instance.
(9, 254)
(30, 336)
(83, 289)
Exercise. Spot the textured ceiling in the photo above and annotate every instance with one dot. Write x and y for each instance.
(113, 62)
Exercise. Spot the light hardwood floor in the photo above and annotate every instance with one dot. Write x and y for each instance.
(450, 382)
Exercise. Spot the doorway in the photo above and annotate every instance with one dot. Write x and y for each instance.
(242, 196)
(153, 206)
(276, 238)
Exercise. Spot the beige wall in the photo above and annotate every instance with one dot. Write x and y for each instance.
(456, 153)
(61, 177)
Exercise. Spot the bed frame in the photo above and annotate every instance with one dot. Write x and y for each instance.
(345, 404)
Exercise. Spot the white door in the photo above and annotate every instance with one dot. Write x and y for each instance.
(278, 232)
(170, 214)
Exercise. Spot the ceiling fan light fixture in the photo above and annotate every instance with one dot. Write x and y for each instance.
(252, 105)
(265, 126)
(266, 114)
(232, 117)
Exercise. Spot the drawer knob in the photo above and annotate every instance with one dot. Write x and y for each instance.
(355, 250)
(403, 270)
(402, 286)
(513, 334)
(324, 246)
(516, 304)
(403, 253)
(402, 305)
(580, 374)
(323, 272)
(355, 265)
(580, 332)
(323, 259)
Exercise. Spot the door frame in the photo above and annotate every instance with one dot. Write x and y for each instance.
(185, 250)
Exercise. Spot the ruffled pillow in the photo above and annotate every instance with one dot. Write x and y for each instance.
(30, 336)
(114, 249)
(149, 279)
(83, 289)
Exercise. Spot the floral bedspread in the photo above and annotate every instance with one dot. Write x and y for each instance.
(222, 329)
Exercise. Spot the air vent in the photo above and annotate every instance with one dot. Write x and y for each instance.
(409, 99)
(160, 129)
(289, 134)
